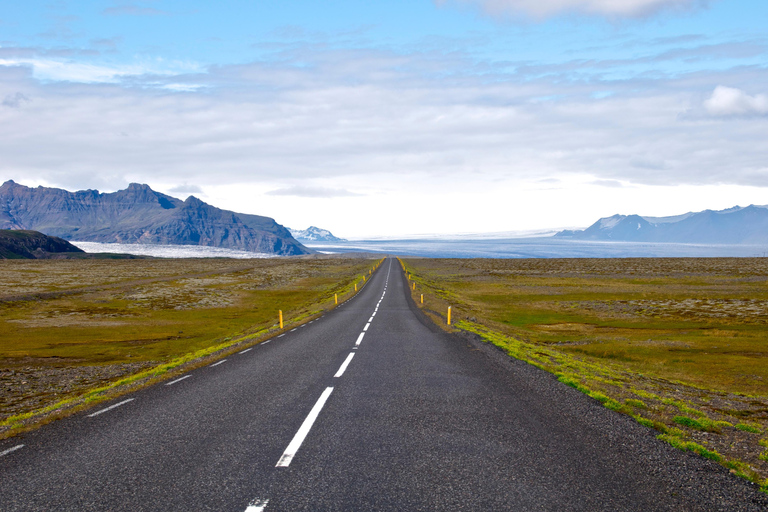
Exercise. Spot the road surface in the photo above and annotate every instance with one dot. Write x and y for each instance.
(369, 407)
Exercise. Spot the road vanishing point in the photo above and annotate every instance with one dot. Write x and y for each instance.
(369, 407)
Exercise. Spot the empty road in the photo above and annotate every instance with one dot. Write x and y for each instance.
(370, 407)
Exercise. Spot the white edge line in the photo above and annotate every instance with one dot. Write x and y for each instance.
(281, 335)
(298, 439)
(110, 408)
(244, 351)
(11, 450)
(178, 380)
(359, 338)
(257, 505)
(344, 365)
(265, 342)
(217, 364)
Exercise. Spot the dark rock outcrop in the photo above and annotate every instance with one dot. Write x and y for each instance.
(139, 215)
(33, 245)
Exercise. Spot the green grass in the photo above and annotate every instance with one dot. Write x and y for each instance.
(162, 313)
(682, 340)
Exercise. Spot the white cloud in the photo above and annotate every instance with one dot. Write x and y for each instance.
(306, 191)
(729, 101)
(186, 189)
(610, 8)
(453, 137)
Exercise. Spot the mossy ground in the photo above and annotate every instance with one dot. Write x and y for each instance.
(68, 327)
(679, 344)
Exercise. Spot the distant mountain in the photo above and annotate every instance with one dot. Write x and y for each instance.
(32, 245)
(737, 225)
(139, 215)
(314, 234)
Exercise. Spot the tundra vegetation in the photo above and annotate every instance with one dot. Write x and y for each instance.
(73, 332)
(679, 344)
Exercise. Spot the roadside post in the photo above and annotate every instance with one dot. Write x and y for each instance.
(449, 315)
(280, 312)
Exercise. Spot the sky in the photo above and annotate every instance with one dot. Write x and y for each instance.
(397, 117)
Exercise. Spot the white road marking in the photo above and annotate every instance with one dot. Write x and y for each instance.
(11, 450)
(293, 329)
(359, 339)
(344, 365)
(374, 314)
(366, 326)
(178, 380)
(110, 407)
(370, 319)
(265, 342)
(298, 439)
(281, 335)
(257, 505)
(244, 351)
(217, 364)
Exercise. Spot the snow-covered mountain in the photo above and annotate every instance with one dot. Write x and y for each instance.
(314, 234)
(737, 225)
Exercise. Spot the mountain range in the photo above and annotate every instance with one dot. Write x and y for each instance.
(139, 215)
(314, 234)
(737, 225)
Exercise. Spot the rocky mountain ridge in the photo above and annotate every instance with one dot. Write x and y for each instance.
(139, 215)
(737, 225)
(315, 234)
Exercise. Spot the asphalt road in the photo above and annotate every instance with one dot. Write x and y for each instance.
(368, 408)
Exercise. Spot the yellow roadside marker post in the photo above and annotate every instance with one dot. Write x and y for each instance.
(336, 298)
(281, 318)
(449, 315)
(355, 286)
(414, 286)
(422, 298)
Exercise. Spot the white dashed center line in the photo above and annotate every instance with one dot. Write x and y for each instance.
(344, 365)
(298, 439)
(110, 408)
(359, 339)
(11, 450)
(178, 380)
(257, 505)
(366, 326)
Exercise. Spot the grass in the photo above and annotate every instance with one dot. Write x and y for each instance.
(77, 331)
(682, 341)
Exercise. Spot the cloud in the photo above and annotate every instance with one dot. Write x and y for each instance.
(132, 10)
(305, 191)
(186, 189)
(15, 100)
(341, 118)
(540, 9)
(731, 102)
(608, 183)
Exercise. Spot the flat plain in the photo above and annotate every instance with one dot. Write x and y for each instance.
(680, 344)
(75, 330)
